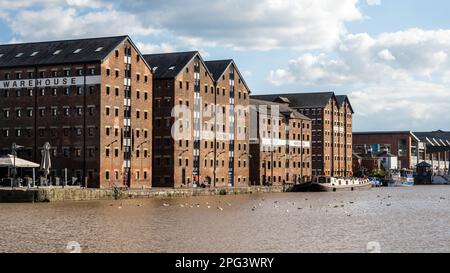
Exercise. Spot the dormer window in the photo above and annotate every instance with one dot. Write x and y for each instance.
(99, 49)
(172, 67)
(19, 55)
(77, 51)
(57, 52)
(34, 53)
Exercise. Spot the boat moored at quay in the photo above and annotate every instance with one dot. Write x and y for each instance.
(332, 184)
(401, 178)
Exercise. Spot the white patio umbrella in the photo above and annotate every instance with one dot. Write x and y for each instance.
(46, 162)
(8, 161)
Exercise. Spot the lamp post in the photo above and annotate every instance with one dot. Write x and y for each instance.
(14, 149)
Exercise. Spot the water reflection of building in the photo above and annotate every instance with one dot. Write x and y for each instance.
(410, 148)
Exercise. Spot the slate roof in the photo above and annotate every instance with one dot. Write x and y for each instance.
(20, 55)
(301, 100)
(341, 99)
(217, 68)
(436, 134)
(284, 108)
(436, 138)
(169, 65)
(387, 133)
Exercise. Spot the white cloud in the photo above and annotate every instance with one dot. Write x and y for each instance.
(254, 24)
(147, 48)
(59, 22)
(386, 55)
(401, 75)
(373, 2)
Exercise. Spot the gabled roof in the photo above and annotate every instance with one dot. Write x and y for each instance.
(301, 100)
(341, 99)
(219, 67)
(169, 65)
(58, 52)
(285, 110)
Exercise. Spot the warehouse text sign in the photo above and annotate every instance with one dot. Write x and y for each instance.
(50, 82)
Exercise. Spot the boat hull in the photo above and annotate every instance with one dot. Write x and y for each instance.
(330, 188)
(400, 184)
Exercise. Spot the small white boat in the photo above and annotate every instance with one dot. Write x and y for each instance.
(332, 184)
(402, 178)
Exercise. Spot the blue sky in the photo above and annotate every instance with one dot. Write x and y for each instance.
(392, 57)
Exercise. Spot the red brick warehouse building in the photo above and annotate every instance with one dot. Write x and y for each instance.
(215, 150)
(90, 99)
(332, 126)
(280, 144)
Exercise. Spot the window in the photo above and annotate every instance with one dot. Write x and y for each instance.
(66, 91)
(99, 49)
(77, 51)
(19, 55)
(57, 52)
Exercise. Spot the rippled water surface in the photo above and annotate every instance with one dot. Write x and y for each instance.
(398, 219)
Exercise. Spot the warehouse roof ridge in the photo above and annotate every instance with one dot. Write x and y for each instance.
(58, 52)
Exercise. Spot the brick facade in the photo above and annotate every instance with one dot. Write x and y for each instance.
(73, 118)
(280, 146)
